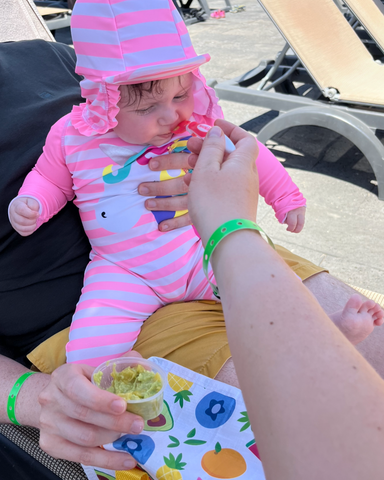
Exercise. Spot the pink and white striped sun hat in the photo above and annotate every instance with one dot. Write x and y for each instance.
(131, 41)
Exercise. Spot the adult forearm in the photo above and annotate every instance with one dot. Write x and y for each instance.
(314, 403)
(27, 405)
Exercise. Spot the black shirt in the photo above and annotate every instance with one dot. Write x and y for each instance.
(41, 275)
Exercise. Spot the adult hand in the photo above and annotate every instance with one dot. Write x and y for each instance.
(175, 186)
(77, 417)
(23, 215)
(222, 190)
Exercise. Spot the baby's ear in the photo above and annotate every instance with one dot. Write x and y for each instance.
(118, 154)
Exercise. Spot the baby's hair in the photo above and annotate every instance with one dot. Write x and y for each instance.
(129, 94)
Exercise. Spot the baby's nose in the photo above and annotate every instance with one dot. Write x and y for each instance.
(170, 116)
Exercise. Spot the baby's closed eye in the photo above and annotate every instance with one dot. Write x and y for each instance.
(143, 111)
(182, 97)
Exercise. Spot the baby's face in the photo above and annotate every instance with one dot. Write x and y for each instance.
(151, 119)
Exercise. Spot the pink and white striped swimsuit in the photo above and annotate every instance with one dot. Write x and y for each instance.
(134, 268)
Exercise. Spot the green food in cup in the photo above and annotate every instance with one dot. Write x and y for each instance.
(136, 384)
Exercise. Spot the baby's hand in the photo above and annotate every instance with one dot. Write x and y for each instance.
(23, 215)
(295, 220)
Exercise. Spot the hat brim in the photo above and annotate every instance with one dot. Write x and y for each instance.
(159, 71)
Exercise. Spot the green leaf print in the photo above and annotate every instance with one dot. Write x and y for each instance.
(182, 397)
(244, 419)
(175, 441)
(192, 433)
(195, 442)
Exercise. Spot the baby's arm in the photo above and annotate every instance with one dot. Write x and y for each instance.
(279, 191)
(45, 190)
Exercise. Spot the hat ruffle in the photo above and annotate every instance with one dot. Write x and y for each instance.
(98, 114)
(206, 108)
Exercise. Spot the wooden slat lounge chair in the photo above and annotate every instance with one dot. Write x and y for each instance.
(330, 55)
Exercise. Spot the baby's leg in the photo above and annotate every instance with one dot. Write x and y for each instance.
(358, 318)
(109, 315)
(356, 321)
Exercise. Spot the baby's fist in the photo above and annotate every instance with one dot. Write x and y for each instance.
(23, 215)
(295, 220)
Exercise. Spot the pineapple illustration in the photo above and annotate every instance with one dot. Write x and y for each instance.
(171, 469)
(181, 387)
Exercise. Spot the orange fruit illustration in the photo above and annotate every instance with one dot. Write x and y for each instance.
(223, 463)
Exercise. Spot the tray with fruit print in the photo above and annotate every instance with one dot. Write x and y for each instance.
(203, 432)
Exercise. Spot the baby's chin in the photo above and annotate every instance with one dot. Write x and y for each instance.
(161, 140)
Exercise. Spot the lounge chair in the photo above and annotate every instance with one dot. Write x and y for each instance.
(370, 14)
(20, 20)
(204, 13)
(55, 18)
(346, 91)
(193, 15)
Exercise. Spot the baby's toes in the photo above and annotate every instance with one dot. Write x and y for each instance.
(377, 315)
(367, 306)
(354, 304)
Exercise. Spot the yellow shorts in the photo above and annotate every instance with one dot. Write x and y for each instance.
(191, 334)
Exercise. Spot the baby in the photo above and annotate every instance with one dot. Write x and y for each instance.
(144, 96)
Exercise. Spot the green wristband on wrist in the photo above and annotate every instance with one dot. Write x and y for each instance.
(13, 394)
(218, 235)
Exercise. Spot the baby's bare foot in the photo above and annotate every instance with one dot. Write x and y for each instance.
(358, 318)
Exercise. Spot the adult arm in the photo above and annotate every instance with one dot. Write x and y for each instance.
(74, 416)
(315, 404)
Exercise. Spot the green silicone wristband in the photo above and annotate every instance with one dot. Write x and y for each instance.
(12, 397)
(218, 235)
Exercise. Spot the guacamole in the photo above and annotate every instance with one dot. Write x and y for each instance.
(136, 384)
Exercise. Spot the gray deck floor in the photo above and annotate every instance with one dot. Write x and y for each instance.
(344, 229)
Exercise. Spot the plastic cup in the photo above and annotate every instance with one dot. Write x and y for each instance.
(147, 408)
